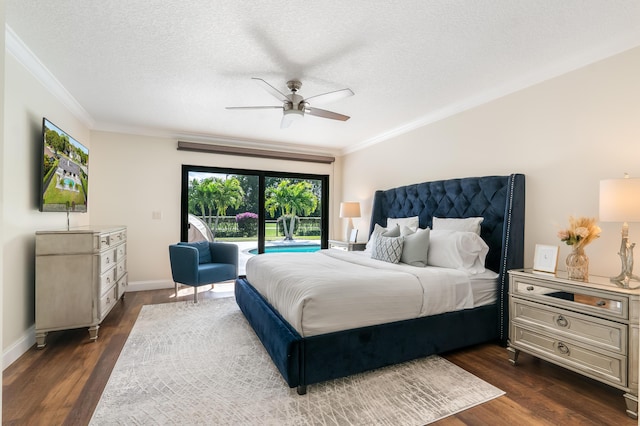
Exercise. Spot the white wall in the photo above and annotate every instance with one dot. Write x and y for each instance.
(134, 176)
(565, 135)
(26, 101)
(2, 155)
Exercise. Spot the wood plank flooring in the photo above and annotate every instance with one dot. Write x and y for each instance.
(62, 383)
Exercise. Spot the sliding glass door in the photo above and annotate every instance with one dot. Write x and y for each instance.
(257, 210)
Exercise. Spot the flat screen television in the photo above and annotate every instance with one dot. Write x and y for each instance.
(64, 171)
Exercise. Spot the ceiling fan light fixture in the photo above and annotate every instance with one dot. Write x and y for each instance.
(295, 106)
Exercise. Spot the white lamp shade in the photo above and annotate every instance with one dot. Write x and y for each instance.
(620, 200)
(350, 209)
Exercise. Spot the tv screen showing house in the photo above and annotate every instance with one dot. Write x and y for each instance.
(65, 164)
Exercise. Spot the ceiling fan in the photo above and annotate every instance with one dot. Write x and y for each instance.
(295, 106)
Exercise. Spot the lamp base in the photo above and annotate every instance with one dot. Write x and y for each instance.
(349, 229)
(626, 275)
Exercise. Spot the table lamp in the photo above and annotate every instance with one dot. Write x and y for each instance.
(349, 209)
(620, 202)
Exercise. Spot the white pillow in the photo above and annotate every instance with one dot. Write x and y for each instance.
(391, 231)
(465, 251)
(469, 224)
(410, 222)
(415, 247)
(388, 249)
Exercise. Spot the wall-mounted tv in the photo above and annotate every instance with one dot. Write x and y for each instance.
(65, 168)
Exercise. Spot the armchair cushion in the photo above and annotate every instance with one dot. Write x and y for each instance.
(204, 253)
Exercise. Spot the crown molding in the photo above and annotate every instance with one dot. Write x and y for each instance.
(19, 50)
(537, 76)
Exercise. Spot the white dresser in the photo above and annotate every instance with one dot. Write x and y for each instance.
(588, 327)
(80, 274)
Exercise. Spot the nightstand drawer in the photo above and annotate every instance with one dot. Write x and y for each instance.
(605, 366)
(582, 300)
(591, 331)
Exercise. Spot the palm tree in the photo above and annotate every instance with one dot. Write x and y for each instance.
(224, 193)
(198, 198)
(291, 199)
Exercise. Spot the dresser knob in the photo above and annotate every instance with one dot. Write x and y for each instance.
(530, 288)
(601, 303)
(562, 348)
(562, 321)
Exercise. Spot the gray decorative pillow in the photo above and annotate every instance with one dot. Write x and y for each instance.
(388, 249)
(416, 246)
(392, 231)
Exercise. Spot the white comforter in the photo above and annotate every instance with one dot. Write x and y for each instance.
(332, 290)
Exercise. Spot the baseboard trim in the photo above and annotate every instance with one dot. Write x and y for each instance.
(28, 339)
(21, 346)
(149, 285)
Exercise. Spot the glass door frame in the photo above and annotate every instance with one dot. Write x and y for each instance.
(262, 175)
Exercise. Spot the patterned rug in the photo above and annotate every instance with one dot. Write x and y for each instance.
(187, 364)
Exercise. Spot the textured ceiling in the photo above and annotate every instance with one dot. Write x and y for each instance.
(170, 68)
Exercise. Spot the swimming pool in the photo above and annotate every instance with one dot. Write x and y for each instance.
(293, 248)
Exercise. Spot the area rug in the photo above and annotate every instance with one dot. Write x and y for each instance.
(202, 364)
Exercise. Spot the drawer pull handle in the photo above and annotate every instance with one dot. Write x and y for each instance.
(563, 349)
(601, 303)
(562, 321)
(530, 288)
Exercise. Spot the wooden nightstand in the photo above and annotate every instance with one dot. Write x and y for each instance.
(344, 245)
(588, 327)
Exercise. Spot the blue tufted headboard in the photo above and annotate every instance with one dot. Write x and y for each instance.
(499, 199)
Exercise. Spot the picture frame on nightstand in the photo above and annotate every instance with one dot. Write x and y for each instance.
(354, 236)
(545, 258)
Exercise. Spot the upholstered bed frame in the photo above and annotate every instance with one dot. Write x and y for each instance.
(303, 361)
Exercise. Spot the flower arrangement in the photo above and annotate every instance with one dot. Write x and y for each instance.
(581, 232)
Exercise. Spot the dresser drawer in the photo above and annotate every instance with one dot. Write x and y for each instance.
(121, 286)
(587, 301)
(605, 366)
(121, 268)
(118, 237)
(591, 331)
(121, 252)
(103, 242)
(107, 301)
(107, 260)
(107, 280)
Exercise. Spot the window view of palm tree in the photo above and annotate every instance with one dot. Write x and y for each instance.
(256, 211)
(293, 205)
(214, 195)
(221, 202)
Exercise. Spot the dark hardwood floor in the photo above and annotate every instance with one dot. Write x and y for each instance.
(62, 383)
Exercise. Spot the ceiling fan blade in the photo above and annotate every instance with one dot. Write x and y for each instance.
(285, 122)
(326, 114)
(272, 90)
(331, 96)
(255, 107)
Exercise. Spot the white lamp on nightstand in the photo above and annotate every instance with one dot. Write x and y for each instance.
(349, 209)
(620, 202)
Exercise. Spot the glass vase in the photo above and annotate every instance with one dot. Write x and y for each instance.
(578, 265)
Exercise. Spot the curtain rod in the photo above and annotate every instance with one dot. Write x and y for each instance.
(253, 152)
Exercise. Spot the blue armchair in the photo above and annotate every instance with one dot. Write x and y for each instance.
(202, 263)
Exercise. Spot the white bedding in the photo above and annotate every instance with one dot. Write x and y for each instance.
(334, 290)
